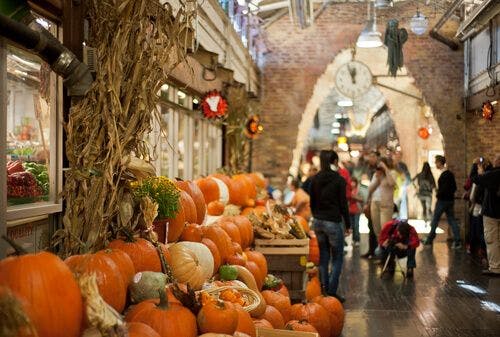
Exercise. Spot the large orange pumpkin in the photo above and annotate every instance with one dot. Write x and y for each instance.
(315, 314)
(232, 230)
(279, 301)
(259, 259)
(44, 283)
(191, 232)
(249, 186)
(274, 317)
(215, 252)
(235, 188)
(215, 208)
(218, 317)
(109, 277)
(313, 288)
(245, 227)
(313, 248)
(245, 322)
(303, 326)
(256, 272)
(123, 262)
(221, 240)
(143, 253)
(136, 329)
(335, 310)
(209, 189)
(262, 323)
(196, 194)
(167, 320)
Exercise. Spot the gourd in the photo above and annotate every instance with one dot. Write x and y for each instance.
(191, 232)
(259, 259)
(186, 267)
(214, 250)
(279, 301)
(143, 253)
(246, 277)
(335, 310)
(145, 286)
(274, 317)
(245, 322)
(315, 314)
(313, 288)
(196, 194)
(203, 254)
(217, 316)
(215, 208)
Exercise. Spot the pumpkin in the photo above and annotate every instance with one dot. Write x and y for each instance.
(247, 211)
(170, 293)
(214, 250)
(166, 319)
(123, 262)
(237, 249)
(175, 225)
(245, 227)
(35, 279)
(238, 194)
(262, 323)
(136, 329)
(257, 274)
(215, 208)
(209, 188)
(302, 325)
(15, 315)
(218, 316)
(221, 240)
(108, 276)
(303, 222)
(232, 230)
(258, 179)
(236, 259)
(245, 322)
(283, 290)
(186, 267)
(313, 248)
(234, 190)
(279, 301)
(250, 189)
(189, 207)
(335, 310)
(224, 195)
(192, 232)
(145, 286)
(196, 194)
(143, 253)
(261, 202)
(203, 254)
(259, 259)
(315, 314)
(313, 288)
(274, 317)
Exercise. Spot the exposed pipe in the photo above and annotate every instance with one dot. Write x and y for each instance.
(434, 33)
(76, 75)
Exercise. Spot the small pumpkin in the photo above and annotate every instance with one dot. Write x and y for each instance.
(279, 301)
(137, 329)
(167, 320)
(303, 326)
(214, 250)
(203, 254)
(335, 310)
(191, 232)
(218, 316)
(215, 208)
(237, 259)
(197, 195)
(313, 288)
(245, 322)
(186, 267)
(262, 323)
(315, 314)
(274, 317)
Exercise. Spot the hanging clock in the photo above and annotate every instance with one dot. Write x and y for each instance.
(214, 105)
(353, 79)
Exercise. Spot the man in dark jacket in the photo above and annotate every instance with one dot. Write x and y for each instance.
(329, 207)
(491, 213)
(445, 203)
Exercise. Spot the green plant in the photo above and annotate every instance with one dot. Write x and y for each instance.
(163, 191)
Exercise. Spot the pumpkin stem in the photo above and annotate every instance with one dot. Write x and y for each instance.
(164, 305)
(178, 179)
(128, 235)
(164, 264)
(19, 250)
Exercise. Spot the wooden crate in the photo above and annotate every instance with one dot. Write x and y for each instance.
(282, 247)
(265, 332)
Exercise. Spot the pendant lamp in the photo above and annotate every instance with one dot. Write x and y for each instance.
(370, 37)
(382, 4)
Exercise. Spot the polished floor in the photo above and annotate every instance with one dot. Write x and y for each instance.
(447, 297)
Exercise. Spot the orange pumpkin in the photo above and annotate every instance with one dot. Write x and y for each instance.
(315, 314)
(247, 211)
(196, 194)
(258, 180)
(232, 230)
(303, 326)
(262, 323)
(245, 227)
(238, 194)
(245, 322)
(215, 252)
(215, 208)
(136, 329)
(221, 240)
(232, 188)
(257, 274)
(209, 189)
(259, 259)
(109, 277)
(187, 204)
(191, 232)
(313, 248)
(236, 259)
(313, 288)
(274, 317)
(283, 290)
(335, 310)
(218, 317)
(143, 253)
(249, 186)
(176, 225)
(123, 262)
(279, 301)
(38, 282)
(166, 319)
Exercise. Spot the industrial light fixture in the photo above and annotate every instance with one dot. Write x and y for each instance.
(419, 23)
(370, 37)
(383, 4)
(345, 102)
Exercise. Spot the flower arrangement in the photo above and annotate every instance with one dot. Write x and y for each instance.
(161, 190)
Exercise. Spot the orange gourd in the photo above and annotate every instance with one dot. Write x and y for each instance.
(245, 322)
(250, 188)
(233, 189)
(279, 301)
(197, 195)
(259, 259)
(192, 232)
(274, 317)
(302, 326)
(215, 208)
(283, 290)
(168, 320)
(218, 317)
(136, 329)
(313, 288)
(236, 259)
(215, 252)
(335, 310)
(315, 314)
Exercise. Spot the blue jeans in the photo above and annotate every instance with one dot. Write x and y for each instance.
(383, 252)
(444, 206)
(330, 237)
(355, 226)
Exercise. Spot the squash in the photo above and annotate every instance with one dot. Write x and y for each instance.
(143, 253)
(176, 225)
(302, 326)
(232, 190)
(109, 278)
(245, 227)
(246, 277)
(196, 194)
(191, 232)
(204, 256)
(257, 274)
(136, 329)
(279, 301)
(34, 279)
(228, 273)
(313, 288)
(217, 316)
(249, 187)
(232, 230)
(259, 259)
(145, 286)
(186, 267)
(237, 259)
(245, 322)
(224, 193)
(315, 314)
(221, 240)
(215, 252)
(215, 208)
(336, 312)
(273, 316)
(189, 207)
(167, 320)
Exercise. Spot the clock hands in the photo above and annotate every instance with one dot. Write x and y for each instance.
(352, 72)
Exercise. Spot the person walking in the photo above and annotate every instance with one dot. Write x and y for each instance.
(491, 213)
(355, 201)
(329, 207)
(426, 184)
(445, 203)
(372, 164)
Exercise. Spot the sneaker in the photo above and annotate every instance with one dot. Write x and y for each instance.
(409, 273)
(456, 246)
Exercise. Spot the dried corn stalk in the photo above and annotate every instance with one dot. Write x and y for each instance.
(138, 43)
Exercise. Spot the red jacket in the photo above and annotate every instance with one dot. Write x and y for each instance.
(347, 177)
(390, 228)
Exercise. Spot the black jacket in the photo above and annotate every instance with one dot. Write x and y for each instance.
(491, 182)
(328, 197)
(446, 186)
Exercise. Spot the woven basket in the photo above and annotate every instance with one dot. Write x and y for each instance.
(248, 295)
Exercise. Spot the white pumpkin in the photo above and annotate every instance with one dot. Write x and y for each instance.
(204, 256)
(186, 266)
(223, 190)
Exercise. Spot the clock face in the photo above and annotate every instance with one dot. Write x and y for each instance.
(353, 79)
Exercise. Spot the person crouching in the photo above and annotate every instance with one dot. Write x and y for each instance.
(398, 239)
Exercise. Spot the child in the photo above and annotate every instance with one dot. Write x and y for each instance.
(400, 239)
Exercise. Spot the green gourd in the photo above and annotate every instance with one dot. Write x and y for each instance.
(145, 285)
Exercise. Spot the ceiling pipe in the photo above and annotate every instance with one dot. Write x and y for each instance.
(434, 33)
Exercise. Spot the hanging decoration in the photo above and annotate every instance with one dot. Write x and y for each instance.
(424, 133)
(488, 111)
(214, 105)
(253, 127)
(394, 39)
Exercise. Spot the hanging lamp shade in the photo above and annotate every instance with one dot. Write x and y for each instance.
(383, 4)
(419, 24)
(370, 37)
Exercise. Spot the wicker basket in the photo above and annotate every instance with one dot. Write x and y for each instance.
(248, 295)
